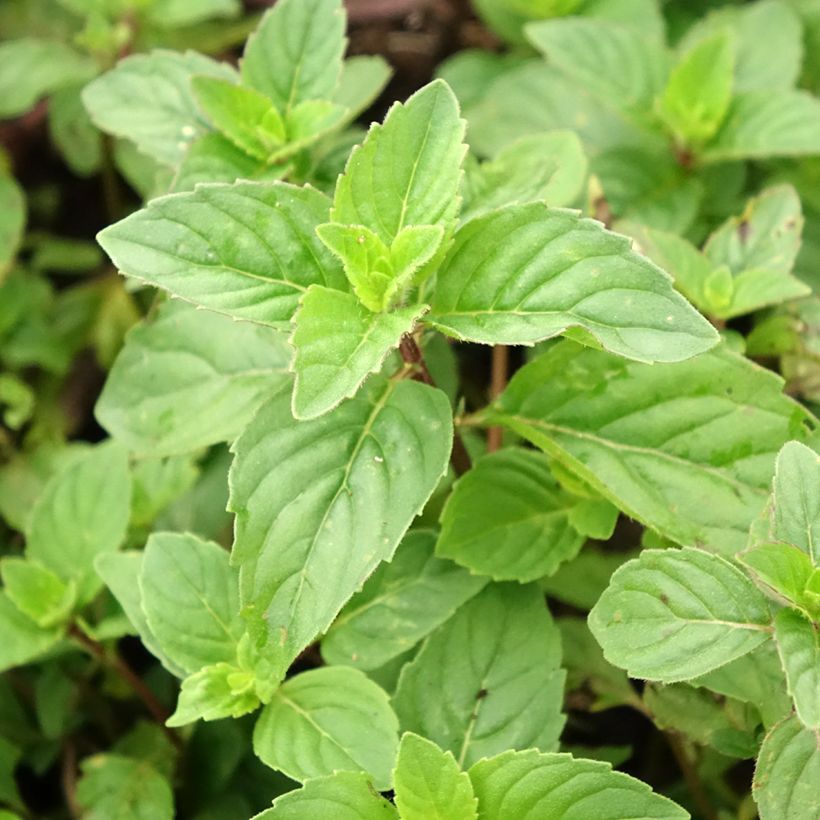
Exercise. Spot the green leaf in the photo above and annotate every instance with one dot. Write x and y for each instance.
(762, 124)
(551, 167)
(782, 567)
(72, 131)
(798, 643)
(339, 343)
(489, 679)
(587, 670)
(787, 773)
(671, 615)
(320, 503)
(687, 449)
(526, 273)
(82, 512)
(378, 272)
(246, 117)
(363, 79)
(295, 54)
(765, 236)
(796, 515)
(148, 100)
(775, 23)
(429, 785)
(326, 720)
(530, 786)
(31, 68)
(115, 787)
(246, 250)
(509, 518)
(408, 170)
(12, 221)
(214, 158)
(23, 640)
(221, 690)
(699, 89)
(308, 121)
(188, 378)
(178, 13)
(37, 592)
(121, 571)
(400, 603)
(756, 678)
(342, 796)
(617, 63)
(724, 724)
(190, 596)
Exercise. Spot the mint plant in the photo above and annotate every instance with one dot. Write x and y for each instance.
(458, 467)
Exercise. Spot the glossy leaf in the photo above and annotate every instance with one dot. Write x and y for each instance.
(187, 379)
(509, 518)
(339, 343)
(428, 784)
(328, 720)
(399, 605)
(687, 449)
(525, 273)
(529, 786)
(489, 679)
(417, 154)
(671, 615)
(247, 250)
(190, 596)
(319, 504)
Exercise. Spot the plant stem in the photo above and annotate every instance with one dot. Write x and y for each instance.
(115, 662)
(498, 381)
(68, 776)
(411, 355)
(110, 181)
(690, 775)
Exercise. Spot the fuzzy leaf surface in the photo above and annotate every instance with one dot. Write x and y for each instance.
(327, 720)
(509, 518)
(525, 273)
(796, 518)
(190, 595)
(489, 679)
(787, 773)
(147, 99)
(342, 796)
(248, 250)
(408, 169)
(320, 503)
(339, 343)
(82, 512)
(798, 643)
(529, 786)
(671, 615)
(429, 785)
(400, 603)
(688, 449)
(295, 54)
(188, 379)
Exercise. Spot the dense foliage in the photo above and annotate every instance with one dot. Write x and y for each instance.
(462, 467)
